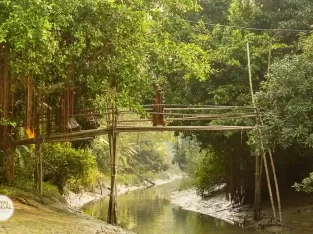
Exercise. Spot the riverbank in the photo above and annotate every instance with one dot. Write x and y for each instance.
(297, 212)
(50, 216)
(52, 213)
(76, 201)
(216, 206)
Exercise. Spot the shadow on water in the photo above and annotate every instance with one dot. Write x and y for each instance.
(150, 211)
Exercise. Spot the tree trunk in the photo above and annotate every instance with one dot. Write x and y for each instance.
(5, 94)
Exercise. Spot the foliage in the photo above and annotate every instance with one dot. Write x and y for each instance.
(141, 156)
(243, 12)
(25, 163)
(180, 156)
(285, 14)
(209, 173)
(204, 168)
(227, 85)
(197, 52)
(186, 183)
(306, 185)
(99, 46)
(214, 11)
(68, 167)
(287, 99)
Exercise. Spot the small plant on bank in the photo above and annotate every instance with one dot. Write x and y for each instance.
(306, 185)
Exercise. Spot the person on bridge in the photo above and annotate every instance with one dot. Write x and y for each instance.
(158, 108)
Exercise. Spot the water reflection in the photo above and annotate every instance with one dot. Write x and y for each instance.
(150, 212)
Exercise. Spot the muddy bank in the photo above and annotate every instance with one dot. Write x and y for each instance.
(216, 206)
(32, 217)
(297, 212)
(76, 201)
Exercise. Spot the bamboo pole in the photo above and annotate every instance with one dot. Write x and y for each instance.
(268, 180)
(109, 218)
(261, 175)
(82, 135)
(189, 119)
(270, 152)
(276, 186)
(112, 211)
(204, 106)
(81, 113)
(257, 180)
(186, 114)
(182, 128)
(199, 116)
(68, 140)
(38, 168)
(250, 77)
(257, 192)
(198, 108)
(38, 154)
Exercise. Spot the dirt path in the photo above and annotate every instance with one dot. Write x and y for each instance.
(44, 220)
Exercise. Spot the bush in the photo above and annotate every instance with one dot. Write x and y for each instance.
(209, 173)
(24, 164)
(128, 179)
(306, 185)
(65, 166)
(186, 183)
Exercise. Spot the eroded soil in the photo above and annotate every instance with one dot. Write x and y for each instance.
(34, 218)
(297, 212)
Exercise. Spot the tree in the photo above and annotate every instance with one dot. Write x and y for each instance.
(105, 49)
(286, 101)
(286, 97)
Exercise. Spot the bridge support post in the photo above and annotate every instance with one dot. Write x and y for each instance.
(38, 153)
(112, 216)
(39, 169)
(257, 195)
(257, 190)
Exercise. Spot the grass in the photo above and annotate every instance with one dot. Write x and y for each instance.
(186, 183)
(26, 189)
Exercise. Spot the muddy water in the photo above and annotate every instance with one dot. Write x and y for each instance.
(149, 211)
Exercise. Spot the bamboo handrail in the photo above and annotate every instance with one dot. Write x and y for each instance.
(120, 128)
(193, 115)
(208, 106)
(187, 119)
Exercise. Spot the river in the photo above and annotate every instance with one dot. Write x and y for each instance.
(150, 211)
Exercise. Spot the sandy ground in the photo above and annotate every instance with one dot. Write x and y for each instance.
(51, 216)
(35, 218)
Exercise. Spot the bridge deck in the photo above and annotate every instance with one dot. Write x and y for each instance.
(82, 135)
